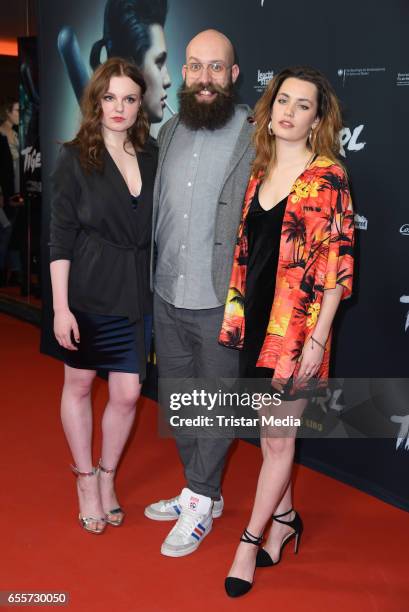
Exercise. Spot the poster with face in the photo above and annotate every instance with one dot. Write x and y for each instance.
(132, 30)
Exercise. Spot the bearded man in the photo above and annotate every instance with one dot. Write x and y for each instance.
(205, 154)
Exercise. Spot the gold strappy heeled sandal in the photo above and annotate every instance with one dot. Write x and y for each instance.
(86, 521)
(115, 516)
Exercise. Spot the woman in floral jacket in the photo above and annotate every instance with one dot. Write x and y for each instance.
(293, 264)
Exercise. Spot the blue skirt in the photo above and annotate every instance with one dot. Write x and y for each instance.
(110, 343)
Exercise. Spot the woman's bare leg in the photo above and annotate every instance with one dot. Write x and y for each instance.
(117, 421)
(76, 417)
(273, 490)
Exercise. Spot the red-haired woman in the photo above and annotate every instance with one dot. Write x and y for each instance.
(292, 266)
(99, 250)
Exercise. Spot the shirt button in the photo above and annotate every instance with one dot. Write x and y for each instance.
(183, 247)
(194, 154)
(189, 184)
(181, 276)
(185, 216)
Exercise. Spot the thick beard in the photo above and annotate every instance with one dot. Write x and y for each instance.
(206, 115)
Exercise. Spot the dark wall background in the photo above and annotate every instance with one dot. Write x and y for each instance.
(362, 48)
(9, 77)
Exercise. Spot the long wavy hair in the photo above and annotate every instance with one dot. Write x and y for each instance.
(325, 138)
(89, 138)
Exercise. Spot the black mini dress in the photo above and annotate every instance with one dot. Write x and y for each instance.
(263, 234)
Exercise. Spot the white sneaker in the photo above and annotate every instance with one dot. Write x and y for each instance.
(193, 525)
(169, 509)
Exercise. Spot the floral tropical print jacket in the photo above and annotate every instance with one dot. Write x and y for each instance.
(316, 253)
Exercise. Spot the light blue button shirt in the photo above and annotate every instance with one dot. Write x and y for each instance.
(192, 178)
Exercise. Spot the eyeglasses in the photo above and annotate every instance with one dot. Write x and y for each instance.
(216, 68)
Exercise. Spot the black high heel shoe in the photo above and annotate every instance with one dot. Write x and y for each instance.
(263, 558)
(236, 587)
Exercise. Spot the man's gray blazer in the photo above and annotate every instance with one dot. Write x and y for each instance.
(230, 202)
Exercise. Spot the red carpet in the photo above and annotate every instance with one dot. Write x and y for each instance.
(353, 555)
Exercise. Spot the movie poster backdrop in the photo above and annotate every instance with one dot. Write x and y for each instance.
(30, 160)
(360, 47)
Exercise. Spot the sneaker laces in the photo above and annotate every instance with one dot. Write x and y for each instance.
(187, 522)
(169, 503)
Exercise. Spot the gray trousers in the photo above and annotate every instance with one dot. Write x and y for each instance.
(186, 344)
